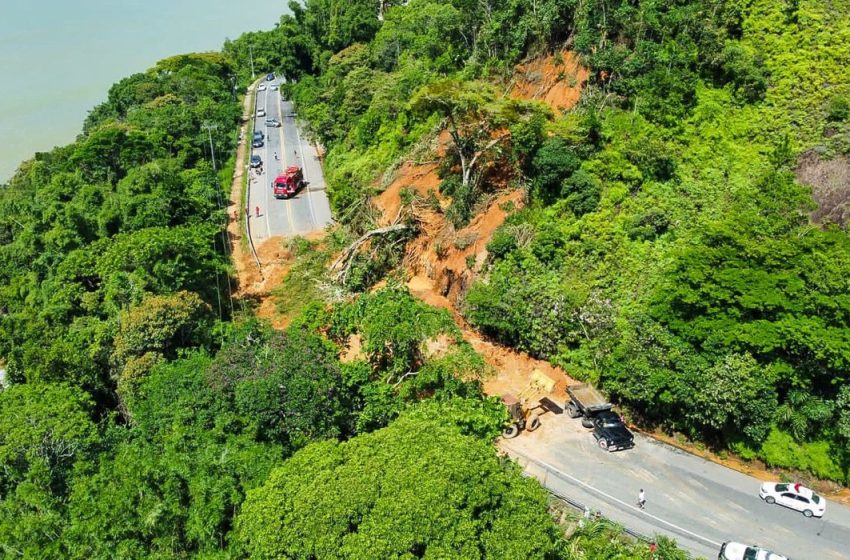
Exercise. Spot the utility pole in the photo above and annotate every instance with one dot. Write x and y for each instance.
(209, 128)
(251, 54)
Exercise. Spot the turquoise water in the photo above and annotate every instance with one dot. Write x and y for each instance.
(59, 57)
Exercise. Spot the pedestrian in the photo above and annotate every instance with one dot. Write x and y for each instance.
(641, 499)
(257, 209)
(247, 212)
(275, 155)
(652, 548)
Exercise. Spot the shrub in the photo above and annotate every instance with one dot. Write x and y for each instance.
(781, 450)
(837, 108)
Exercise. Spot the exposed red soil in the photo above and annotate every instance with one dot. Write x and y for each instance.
(556, 80)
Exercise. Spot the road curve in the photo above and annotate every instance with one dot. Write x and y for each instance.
(698, 503)
(309, 210)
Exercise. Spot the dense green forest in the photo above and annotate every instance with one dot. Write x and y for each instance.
(686, 255)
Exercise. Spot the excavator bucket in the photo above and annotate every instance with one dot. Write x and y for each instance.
(538, 386)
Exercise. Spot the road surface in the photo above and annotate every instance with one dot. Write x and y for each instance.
(306, 212)
(698, 503)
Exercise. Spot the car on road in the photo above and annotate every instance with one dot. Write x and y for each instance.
(256, 161)
(610, 432)
(272, 122)
(261, 87)
(258, 143)
(270, 76)
(794, 496)
(737, 551)
(273, 87)
(261, 112)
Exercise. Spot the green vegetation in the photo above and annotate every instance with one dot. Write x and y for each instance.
(668, 251)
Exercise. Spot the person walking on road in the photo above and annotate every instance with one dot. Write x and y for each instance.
(275, 155)
(257, 210)
(641, 499)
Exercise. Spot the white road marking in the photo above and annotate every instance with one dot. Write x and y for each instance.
(287, 202)
(304, 168)
(637, 510)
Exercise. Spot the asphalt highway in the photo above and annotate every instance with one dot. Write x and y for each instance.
(698, 503)
(307, 211)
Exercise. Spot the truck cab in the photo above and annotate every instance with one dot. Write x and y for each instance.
(288, 183)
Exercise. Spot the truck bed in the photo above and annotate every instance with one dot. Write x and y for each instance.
(588, 398)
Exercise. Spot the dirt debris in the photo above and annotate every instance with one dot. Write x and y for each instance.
(512, 368)
(556, 80)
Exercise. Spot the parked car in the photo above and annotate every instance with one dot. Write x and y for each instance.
(272, 122)
(259, 134)
(610, 432)
(261, 112)
(261, 87)
(270, 76)
(258, 143)
(794, 496)
(737, 551)
(256, 161)
(273, 87)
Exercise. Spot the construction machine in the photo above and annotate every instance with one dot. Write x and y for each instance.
(526, 407)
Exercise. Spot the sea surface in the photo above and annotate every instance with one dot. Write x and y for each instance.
(58, 58)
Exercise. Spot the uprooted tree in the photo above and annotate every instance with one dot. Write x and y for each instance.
(477, 118)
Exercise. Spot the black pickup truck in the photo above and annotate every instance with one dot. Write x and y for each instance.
(595, 412)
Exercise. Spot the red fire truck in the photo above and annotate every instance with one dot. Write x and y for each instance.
(289, 183)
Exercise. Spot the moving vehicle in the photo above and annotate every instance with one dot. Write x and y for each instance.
(273, 87)
(525, 409)
(256, 161)
(289, 183)
(261, 87)
(794, 496)
(595, 411)
(272, 122)
(261, 112)
(737, 551)
(270, 76)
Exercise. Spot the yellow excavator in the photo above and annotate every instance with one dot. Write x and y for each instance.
(525, 409)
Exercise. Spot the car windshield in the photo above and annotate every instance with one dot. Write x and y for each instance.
(750, 554)
(816, 498)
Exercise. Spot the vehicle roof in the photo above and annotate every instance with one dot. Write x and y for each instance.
(738, 550)
(803, 491)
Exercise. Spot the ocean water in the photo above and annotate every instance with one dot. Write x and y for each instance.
(59, 57)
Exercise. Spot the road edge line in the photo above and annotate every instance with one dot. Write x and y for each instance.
(607, 496)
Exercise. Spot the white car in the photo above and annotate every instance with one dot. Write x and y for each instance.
(261, 87)
(261, 112)
(738, 551)
(794, 496)
(273, 87)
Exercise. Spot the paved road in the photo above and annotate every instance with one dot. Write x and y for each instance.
(698, 503)
(309, 210)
